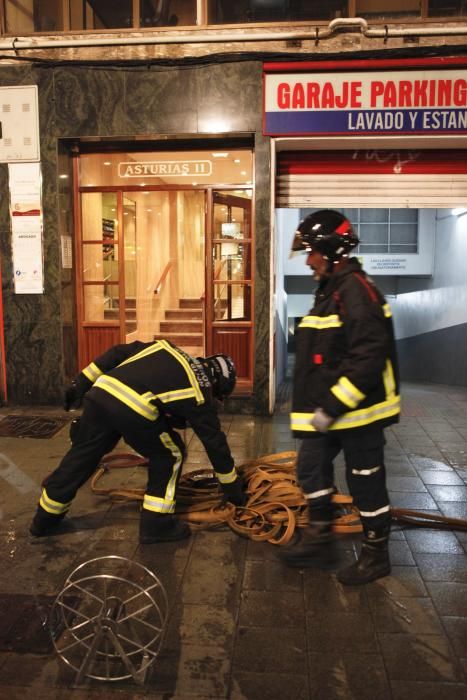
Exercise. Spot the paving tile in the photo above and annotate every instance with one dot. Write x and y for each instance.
(206, 625)
(456, 630)
(263, 649)
(410, 615)
(441, 477)
(422, 657)
(405, 483)
(338, 675)
(412, 501)
(454, 510)
(442, 567)
(256, 607)
(419, 690)
(400, 553)
(448, 493)
(449, 598)
(329, 631)
(220, 552)
(404, 581)
(269, 686)
(190, 671)
(432, 540)
(271, 576)
(431, 462)
(324, 592)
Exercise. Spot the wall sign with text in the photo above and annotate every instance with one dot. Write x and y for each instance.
(389, 102)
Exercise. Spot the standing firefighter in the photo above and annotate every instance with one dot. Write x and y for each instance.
(140, 392)
(345, 393)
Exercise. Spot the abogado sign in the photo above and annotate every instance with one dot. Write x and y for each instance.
(389, 102)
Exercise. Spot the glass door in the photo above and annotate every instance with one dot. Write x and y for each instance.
(231, 281)
(164, 233)
(142, 269)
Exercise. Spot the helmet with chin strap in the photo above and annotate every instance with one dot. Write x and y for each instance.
(327, 231)
(222, 374)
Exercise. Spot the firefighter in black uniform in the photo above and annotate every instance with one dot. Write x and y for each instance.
(346, 391)
(141, 392)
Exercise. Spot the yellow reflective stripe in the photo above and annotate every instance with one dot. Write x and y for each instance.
(128, 396)
(177, 395)
(158, 505)
(92, 372)
(167, 503)
(351, 419)
(191, 375)
(320, 322)
(51, 506)
(347, 392)
(374, 513)
(387, 310)
(388, 379)
(142, 353)
(227, 478)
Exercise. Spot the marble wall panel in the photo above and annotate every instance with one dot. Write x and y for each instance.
(229, 97)
(161, 101)
(31, 352)
(89, 102)
(262, 272)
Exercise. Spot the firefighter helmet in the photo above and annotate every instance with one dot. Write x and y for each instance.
(222, 374)
(328, 232)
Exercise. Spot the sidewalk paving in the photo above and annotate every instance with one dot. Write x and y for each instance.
(241, 625)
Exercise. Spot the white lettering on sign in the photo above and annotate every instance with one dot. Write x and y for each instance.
(165, 168)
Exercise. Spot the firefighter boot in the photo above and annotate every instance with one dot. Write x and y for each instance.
(44, 523)
(161, 527)
(316, 548)
(373, 562)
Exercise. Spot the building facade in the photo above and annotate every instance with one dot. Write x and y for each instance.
(163, 171)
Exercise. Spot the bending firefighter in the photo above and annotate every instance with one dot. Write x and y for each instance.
(346, 391)
(141, 392)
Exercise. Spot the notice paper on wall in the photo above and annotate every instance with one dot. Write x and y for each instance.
(26, 226)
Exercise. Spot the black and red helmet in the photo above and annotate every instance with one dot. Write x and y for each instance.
(327, 231)
(222, 374)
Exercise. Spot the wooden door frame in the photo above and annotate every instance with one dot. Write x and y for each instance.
(3, 385)
(244, 384)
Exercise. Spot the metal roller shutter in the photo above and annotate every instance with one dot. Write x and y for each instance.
(422, 179)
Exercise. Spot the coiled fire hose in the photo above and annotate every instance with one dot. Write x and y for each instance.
(275, 507)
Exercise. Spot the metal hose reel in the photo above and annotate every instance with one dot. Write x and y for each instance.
(108, 621)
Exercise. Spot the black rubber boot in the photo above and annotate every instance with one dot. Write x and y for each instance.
(316, 548)
(373, 562)
(44, 523)
(159, 527)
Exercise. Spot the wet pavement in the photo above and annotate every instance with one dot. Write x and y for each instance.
(241, 625)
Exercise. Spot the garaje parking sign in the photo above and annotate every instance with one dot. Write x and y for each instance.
(389, 102)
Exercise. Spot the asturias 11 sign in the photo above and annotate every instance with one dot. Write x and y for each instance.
(416, 102)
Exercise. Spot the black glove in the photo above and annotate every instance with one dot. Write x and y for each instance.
(234, 493)
(73, 397)
(176, 422)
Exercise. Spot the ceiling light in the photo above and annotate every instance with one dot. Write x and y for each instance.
(220, 154)
(107, 162)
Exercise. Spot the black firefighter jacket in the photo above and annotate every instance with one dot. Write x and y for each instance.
(346, 358)
(158, 378)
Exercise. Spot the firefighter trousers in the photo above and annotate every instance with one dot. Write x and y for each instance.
(363, 450)
(98, 432)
